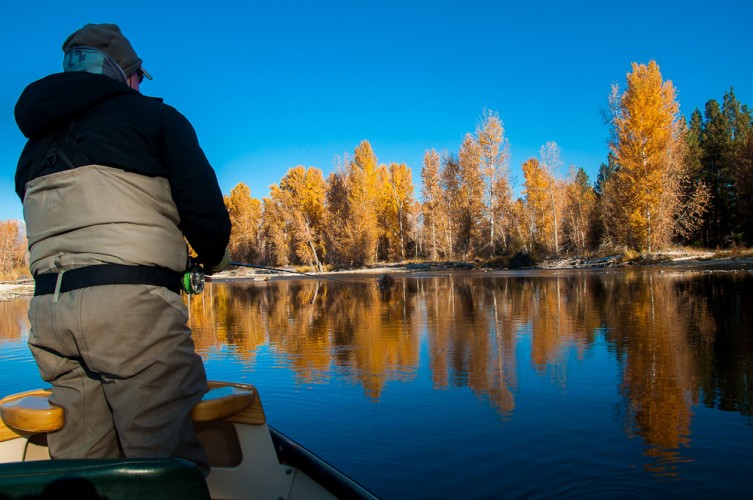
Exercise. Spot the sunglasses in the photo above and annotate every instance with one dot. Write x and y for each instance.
(143, 74)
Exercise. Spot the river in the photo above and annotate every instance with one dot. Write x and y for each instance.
(528, 384)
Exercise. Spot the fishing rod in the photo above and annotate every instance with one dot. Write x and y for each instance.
(194, 277)
(275, 269)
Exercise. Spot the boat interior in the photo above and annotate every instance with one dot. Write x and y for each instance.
(248, 459)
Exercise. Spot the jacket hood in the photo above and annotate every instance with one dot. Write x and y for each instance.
(56, 99)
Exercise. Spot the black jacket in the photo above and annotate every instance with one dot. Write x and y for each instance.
(118, 127)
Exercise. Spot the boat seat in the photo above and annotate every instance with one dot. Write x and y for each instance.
(114, 479)
(223, 401)
(31, 412)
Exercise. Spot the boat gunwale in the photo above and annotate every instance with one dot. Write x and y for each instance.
(322, 472)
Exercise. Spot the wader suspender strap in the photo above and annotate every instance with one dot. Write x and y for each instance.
(106, 274)
(57, 151)
(64, 147)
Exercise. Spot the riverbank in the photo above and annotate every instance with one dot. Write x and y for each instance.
(731, 260)
(670, 258)
(15, 290)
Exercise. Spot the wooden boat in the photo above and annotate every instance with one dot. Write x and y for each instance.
(248, 458)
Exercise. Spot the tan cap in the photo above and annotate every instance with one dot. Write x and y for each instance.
(109, 39)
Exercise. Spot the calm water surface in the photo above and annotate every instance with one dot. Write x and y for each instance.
(497, 385)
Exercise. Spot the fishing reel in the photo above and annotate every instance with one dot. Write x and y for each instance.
(193, 279)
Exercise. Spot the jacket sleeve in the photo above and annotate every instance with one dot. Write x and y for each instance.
(204, 219)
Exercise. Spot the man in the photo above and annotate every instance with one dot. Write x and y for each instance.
(111, 182)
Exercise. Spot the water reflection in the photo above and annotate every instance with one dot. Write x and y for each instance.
(357, 330)
(652, 330)
(679, 338)
(14, 321)
(681, 343)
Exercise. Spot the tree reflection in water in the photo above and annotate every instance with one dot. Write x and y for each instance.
(677, 336)
(14, 320)
(680, 339)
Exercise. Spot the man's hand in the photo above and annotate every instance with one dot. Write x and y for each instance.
(222, 265)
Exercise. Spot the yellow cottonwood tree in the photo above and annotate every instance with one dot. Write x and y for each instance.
(336, 200)
(432, 206)
(275, 228)
(522, 226)
(550, 162)
(396, 201)
(450, 183)
(300, 196)
(471, 200)
(494, 157)
(536, 191)
(12, 249)
(580, 210)
(647, 143)
(363, 192)
(246, 218)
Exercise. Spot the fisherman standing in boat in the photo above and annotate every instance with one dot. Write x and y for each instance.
(111, 183)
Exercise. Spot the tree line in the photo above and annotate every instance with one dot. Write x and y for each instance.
(665, 182)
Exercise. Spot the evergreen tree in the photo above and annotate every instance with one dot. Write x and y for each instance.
(724, 133)
(743, 167)
(716, 144)
(740, 123)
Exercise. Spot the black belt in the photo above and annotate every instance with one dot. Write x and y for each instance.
(108, 274)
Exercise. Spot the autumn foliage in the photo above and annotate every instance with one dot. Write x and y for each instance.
(665, 182)
(13, 256)
(648, 193)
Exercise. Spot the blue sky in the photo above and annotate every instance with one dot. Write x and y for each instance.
(272, 85)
